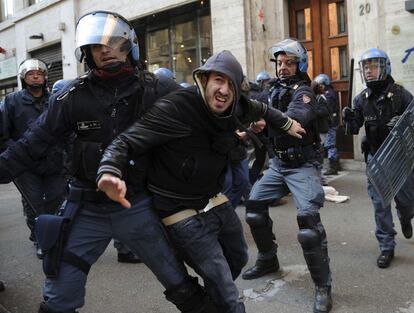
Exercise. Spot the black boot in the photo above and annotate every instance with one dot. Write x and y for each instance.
(385, 258)
(323, 299)
(44, 308)
(406, 228)
(2, 287)
(189, 297)
(261, 268)
(333, 167)
(311, 236)
(128, 258)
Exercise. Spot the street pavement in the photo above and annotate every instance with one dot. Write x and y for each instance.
(358, 285)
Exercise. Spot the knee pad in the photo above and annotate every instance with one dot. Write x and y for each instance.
(257, 213)
(309, 235)
(308, 238)
(257, 219)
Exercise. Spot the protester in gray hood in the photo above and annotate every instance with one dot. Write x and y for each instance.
(190, 133)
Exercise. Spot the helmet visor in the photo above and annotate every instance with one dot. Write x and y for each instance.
(103, 28)
(289, 48)
(373, 69)
(32, 65)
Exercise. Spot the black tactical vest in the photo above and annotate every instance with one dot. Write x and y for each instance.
(378, 111)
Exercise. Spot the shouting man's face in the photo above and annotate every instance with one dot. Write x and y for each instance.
(219, 92)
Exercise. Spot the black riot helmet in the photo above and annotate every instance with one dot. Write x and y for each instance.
(32, 64)
(105, 28)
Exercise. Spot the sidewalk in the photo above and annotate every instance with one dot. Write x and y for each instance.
(358, 285)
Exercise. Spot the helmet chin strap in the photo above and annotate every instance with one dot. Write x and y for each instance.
(35, 86)
(114, 67)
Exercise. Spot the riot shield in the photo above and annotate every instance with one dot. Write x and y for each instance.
(394, 160)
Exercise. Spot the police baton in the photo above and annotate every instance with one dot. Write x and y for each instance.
(350, 87)
(23, 193)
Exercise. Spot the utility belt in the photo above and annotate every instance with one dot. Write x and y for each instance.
(77, 194)
(182, 215)
(298, 155)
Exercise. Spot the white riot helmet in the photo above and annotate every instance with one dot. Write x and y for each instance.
(32, 64)
(105, 28)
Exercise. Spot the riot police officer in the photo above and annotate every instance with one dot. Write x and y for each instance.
(295, 169)
(42, 187)
(97, 107)
(262, 79)
(165, 72)
(324, 83)
(377, 108)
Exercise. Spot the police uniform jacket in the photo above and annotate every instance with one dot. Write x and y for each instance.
(96, 111)
(19, 113)
(298, 101)
(374, 108)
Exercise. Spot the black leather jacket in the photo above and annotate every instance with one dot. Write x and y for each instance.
(190, 145)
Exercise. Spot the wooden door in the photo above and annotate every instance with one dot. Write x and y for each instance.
(321, 25)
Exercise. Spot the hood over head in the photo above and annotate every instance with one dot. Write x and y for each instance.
(225, 63)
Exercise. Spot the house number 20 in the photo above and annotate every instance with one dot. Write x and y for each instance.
(364, 9)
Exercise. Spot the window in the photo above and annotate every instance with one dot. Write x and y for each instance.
(178, 39)
(339, 63)
(6, 9)
(337, 18)
(303, 24)
(310, 63)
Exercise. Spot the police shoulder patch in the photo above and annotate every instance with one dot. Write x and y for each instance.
(306, 99)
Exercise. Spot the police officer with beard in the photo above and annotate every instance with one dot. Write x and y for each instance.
(295, 169)
(378, 108)
(97, 107)
(42, 187)
(191, 133)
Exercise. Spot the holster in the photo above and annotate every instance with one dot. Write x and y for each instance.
(52, 232)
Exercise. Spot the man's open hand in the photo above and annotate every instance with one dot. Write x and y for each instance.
(115, 188)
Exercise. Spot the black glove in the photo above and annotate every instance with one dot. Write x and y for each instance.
(393, 121)
(348, 114)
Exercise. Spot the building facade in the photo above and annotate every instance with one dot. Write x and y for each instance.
(181, 34)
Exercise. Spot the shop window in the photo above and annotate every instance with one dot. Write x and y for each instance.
(303, 24)
(6, 9)
(158, 49)
(180, 42)
(337, 18)
(184, 50)
(339, 63)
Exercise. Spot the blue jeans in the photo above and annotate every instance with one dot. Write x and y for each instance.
(236, 180)
(330, 143)
(404, 200)
(138, 227)
(213, 244)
